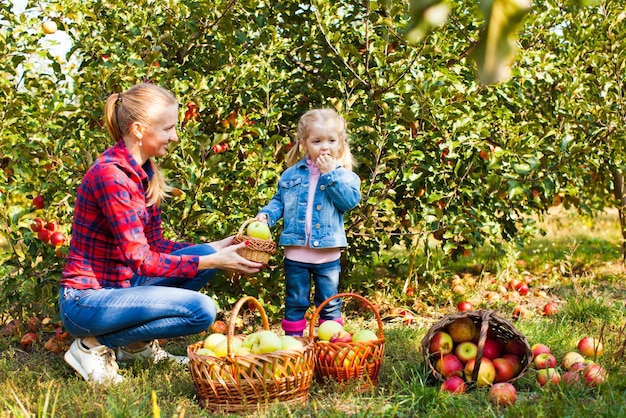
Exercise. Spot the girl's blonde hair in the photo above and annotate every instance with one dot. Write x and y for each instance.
(315, 117)
(137, 104)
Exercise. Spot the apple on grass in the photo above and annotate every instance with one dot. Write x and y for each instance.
(570, 358)
(258, 229)
(590, 347)
(449, 365)
(454, 384)
(502, 394)
(464, 306)
(544, 361)
(550, 309)
(486, 372)
(466, 351)
(594, 374)
(505, 370)
(462, 329)
(441, 343)
(549, 375)
(570, 378)
(327, 329)
(539, 349)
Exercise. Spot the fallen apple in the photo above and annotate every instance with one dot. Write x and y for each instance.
(550, 309)
(502, 394)
(486, 372)
(590, 347)
(219, 327)
(544, 361)
(570, 358)
(549, 375)
(454, 385)
(594, 374)
(464, 306)
(505, 370)
(539, 349)
(449, 365)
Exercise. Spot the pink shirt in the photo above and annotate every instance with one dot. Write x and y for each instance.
(308, 254)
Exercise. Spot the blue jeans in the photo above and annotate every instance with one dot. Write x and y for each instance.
(151, 308)
(298, 277)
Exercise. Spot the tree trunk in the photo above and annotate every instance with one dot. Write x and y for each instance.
(618, 190)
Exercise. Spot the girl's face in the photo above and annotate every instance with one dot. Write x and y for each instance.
(322, 140)
(157, 135)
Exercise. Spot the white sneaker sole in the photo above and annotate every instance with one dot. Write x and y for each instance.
(73, 361)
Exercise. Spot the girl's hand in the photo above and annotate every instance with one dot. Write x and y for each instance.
(262, 217)
(326, 163)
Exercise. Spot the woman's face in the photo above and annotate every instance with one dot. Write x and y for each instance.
(322, 140)
(157, 135)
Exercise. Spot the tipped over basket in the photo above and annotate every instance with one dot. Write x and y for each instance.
(259, 250)
(245, 383)
(488, 325)
(345, 361)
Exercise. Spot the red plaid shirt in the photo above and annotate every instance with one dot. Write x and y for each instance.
(114, 234)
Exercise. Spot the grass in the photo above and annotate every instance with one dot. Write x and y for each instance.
(576, 264)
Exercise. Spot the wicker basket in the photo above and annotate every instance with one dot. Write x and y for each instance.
(488, 323)
(258, 250)
(242, 384)
(346, 361)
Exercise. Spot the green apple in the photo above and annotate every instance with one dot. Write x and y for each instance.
(290, 343)
(267, 342)
(364, 335)
(258, 229)
(250, 340)
(327, 329)
(221, 348)
(205, 352)
(213, 339)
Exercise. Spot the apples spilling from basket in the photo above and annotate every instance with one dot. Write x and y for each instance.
(454, 350)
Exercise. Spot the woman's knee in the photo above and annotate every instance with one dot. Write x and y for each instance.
(205, 312)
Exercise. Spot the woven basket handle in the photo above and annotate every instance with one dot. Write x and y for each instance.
(484, 329)
(353, 296)
(231, 322)
(243, 226)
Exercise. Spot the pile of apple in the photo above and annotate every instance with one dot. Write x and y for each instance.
(453, 350)
(575, 367)
(244, 348)
(334, 332)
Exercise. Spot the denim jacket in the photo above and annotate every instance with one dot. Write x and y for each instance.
(336, 193)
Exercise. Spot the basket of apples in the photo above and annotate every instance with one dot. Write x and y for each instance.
(260, 244)
(347, 356)
(241, 373)
(479, 346)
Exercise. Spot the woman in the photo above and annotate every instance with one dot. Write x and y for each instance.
(124, 286)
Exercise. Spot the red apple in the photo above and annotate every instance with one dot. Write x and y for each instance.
(342, 336)
(522, 289)
(44, 235)
(579, 366)
(462, 329)
(594, 375)
(502, 394)
(550, 309)
(486, 372)
(454, 384)
(544, 361)
(219, 327)
(590, 347)
(464, 306)
(545, 376)
(57, 238)
(570, 378)
(515, 362)
(504, 370)
(449, 365)
(515, 347)
(37, 225)
(491, 350)
(52, 225)
(440, 343)
(466, 351)
(38, 202)
(540, 349)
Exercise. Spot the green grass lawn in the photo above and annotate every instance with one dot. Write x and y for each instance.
(576, 264)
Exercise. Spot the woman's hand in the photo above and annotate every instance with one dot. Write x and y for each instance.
(227, 258)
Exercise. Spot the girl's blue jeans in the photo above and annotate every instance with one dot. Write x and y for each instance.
(299, 276)
(151, 308)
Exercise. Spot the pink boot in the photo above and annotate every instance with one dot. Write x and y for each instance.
(294, 328)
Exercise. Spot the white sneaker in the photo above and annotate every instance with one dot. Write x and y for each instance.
(150, 352)
(93, 364)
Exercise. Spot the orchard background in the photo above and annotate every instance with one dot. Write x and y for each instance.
(448, 161)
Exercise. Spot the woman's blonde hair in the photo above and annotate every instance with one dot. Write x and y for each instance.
(137, 104)
(318, 116)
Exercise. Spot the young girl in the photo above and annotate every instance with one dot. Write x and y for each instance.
(313, 195)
